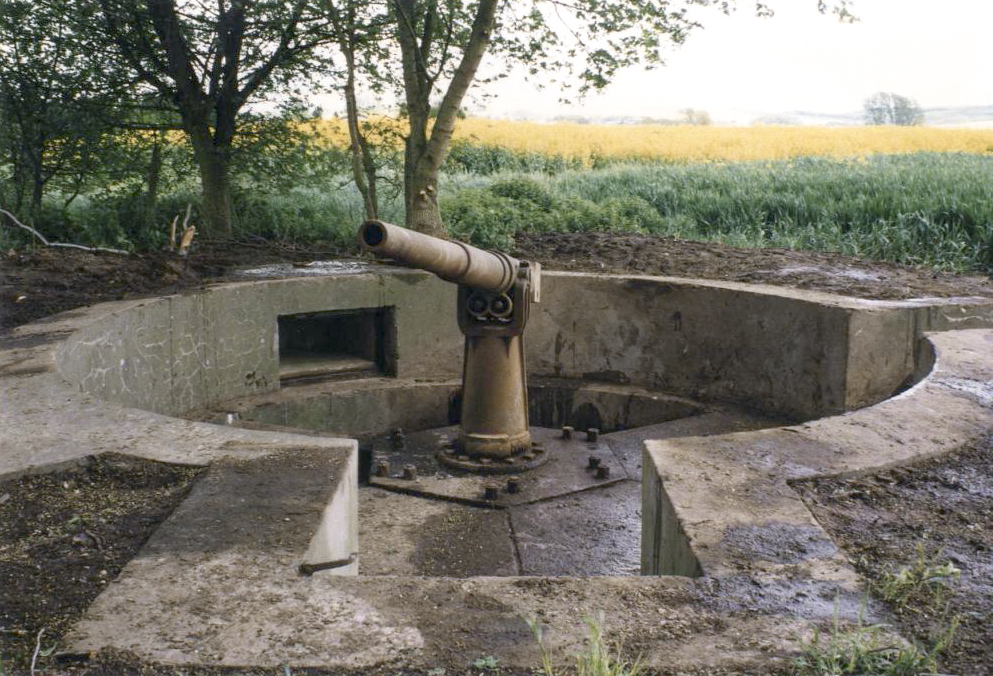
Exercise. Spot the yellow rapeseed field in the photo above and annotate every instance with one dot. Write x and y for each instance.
(704, 143)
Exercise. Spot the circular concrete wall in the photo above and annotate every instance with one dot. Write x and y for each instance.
(784, 352)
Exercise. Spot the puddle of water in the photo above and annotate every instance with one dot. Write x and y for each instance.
(311, 269)
(848, 273)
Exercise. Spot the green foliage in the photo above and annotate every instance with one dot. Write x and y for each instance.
(299, 215)
(486, 662)
(484, 160)
(890, 108)
(599, 659)
(866, 650)
(924, 581)
(929, 208)
(491, 216)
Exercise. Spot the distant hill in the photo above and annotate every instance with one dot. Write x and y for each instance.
(966, 116)
(949, 116)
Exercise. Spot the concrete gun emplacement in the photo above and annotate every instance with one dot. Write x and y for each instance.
(494, 298)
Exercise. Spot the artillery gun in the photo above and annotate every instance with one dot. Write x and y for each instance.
(495, 292)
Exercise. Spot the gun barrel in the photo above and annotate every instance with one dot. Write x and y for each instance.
(452, 261)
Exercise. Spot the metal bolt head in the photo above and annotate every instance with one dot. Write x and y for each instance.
(592, 434)
(567, 431)
(397, 439)
(603, 472)
(382, 468)
(513, 486)
(594, 462)
(491, 492)
(409, 472)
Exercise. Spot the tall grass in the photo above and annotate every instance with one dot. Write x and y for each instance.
(926, 208)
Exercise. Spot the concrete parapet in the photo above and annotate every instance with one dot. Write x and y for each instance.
(723, 505)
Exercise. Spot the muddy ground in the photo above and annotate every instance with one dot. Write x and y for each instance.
(64, 535)
(39, 282)
(67, 534)
(923, 517)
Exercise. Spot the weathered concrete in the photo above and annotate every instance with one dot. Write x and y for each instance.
(786, 352)
(368, 406)
(723, 505)
(720, 506)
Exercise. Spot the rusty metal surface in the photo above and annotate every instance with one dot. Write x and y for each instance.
(566, 471)
(495, 293)
(494, 398)
(452, 261)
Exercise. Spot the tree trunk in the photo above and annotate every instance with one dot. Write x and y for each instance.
(217, 214)
(151, 195)
(421, 191)
(363, 168)
(215, 178)
(37, 192)
(423, 155)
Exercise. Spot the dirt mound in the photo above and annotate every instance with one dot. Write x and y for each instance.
(44, 281)
(833, 273)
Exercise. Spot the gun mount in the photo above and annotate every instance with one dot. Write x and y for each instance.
(494, 298)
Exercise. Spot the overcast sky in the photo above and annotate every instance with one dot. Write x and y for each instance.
(739, 67)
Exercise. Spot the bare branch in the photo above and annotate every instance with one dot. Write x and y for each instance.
(67, 246)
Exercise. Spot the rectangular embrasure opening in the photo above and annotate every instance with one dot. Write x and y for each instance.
(320, 345)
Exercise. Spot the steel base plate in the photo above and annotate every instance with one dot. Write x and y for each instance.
(512, 464)
(564, 468)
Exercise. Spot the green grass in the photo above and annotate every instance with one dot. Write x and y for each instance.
(930, 209)
(867, 651)
(923, 582)
(599, 658)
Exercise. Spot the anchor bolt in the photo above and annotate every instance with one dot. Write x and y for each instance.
(592, 434)
(409, 472)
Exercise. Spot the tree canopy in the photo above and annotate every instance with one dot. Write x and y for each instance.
(210, 60)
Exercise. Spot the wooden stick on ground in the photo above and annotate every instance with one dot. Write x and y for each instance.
(60, 244)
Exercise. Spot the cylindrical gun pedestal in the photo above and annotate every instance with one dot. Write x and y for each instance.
(494, 398)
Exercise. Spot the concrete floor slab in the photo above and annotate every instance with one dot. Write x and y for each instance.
(407, 535)
(596, 532)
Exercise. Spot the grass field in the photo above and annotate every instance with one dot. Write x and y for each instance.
(926, 208)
